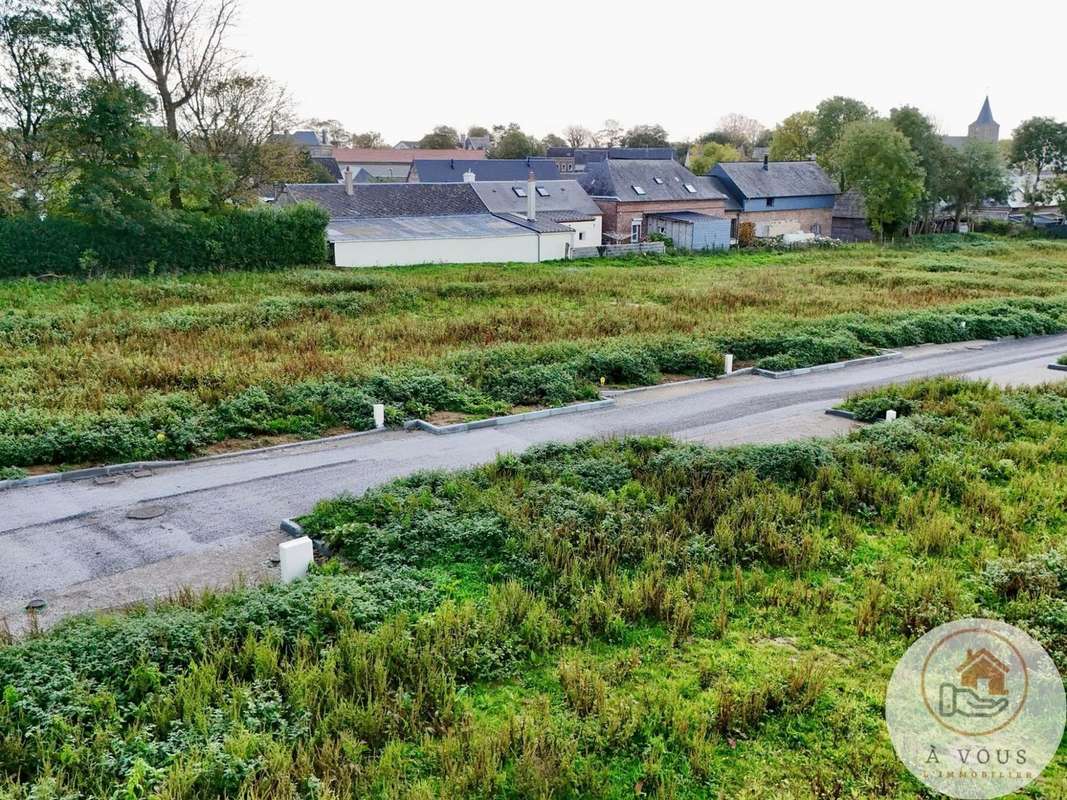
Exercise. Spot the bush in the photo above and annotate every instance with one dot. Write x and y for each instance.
(263, 238)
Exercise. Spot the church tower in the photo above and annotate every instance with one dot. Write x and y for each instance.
(985, 128)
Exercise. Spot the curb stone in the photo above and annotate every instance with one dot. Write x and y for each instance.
(1058, 367)
(840, 412)
(636, 389)
(494, 422)
(852, 362)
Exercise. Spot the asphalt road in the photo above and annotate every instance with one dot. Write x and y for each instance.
(75, 546)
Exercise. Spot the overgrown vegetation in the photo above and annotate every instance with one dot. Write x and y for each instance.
(163, 367)
(601, 619)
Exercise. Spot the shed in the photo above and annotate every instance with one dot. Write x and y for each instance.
(850, 218)
(690, 230)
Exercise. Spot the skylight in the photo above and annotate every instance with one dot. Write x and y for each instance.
(690, 188)
(519, 191)
(638, 190)
(541, 190)
(658, 180)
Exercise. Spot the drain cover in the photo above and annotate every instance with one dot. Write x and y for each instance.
(142, 473)
(36, 604)
(106, 480)
(146, 512)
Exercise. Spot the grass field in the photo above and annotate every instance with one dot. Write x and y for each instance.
(600, 620)
(116, 369)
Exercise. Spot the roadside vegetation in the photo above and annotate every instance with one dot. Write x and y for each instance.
(604, 619)
(111, 370)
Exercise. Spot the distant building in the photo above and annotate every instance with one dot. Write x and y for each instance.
(562, 201)
(394, 164)
(780, 197)
(407, 144)
(850, 218)
(456, 170)
(983, 129)
(477, 142)
(315, 143)
(576, 159)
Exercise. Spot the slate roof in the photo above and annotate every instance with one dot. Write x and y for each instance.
(377, 200)
(478, 142)
(985, 116)
(491, 169)
(564, 196)
(330, 165)
(305, 138)
(850, 205)
(617, 177)
(392, 155)
(464, 226)
(719, 185)
(543, 224)
(362, 176)
(780, 179)
(589, 155)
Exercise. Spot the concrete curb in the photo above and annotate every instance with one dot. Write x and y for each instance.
(291, 527)
(840, 412)
(1058, 367)
(852, 362)
(636, 389)
(494, 422)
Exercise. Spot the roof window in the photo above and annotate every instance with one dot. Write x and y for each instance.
(658, 180)
(638, 190)
(690, 188)
(542, 191)
(519, 191)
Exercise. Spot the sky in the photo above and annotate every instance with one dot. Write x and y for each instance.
(402, 68)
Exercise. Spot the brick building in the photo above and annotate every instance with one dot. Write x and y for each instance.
(631, 192)
(779, 197)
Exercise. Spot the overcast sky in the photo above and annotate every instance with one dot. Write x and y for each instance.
(402, 67)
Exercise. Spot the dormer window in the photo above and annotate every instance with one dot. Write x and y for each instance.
(519, 191)
(638, 190)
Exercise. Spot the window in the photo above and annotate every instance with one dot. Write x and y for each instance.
(581, 236)
(519, 191)
(690, 188)
(770, 202)
(635, 231)
(658, 180)
(638, 190)
(542, 191)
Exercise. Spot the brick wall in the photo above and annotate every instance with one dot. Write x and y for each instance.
(804, 218)
(619, 215)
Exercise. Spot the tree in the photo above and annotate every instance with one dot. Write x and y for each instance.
(578, 136)
(1059, 192)
(972, 175)
(742, 131)
(1039, 144)
(238, 119)
(95, 29)
(832, 116)
(933, 154)
(476, 131)
(610, 135)
(511, 142)
(36, 90)
(180, 46)
(371, 139)
(646, 136)
(794, 137)
(336, 133)
(875, 158)
(553, 140)
(443, 137)
(705, 157)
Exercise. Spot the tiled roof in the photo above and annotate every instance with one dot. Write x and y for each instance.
(779, 179)
(489, 169)
(390, 155)
(563, 196)
(376, 200)
(658, 180)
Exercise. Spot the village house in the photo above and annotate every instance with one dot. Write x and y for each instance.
(395, 224)
(639, 197)
(394, 164)
(561, 201)
(455, 170)
(779, 197)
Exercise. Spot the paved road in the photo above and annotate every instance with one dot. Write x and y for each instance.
(73, 544)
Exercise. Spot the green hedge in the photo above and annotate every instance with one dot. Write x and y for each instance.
(262, 238)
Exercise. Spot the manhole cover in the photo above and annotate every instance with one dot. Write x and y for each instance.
(142, 473)
(146, 512)
(36, 604)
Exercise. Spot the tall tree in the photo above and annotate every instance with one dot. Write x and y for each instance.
(877, 159)
(794, 137)
(703, 158)
(610, 135)
(973, 175)
(371, 139)
(832, 116)
(95, 29)
(742, 131)
(646, 136)
(578, 136)
(179, 46)
(475, 131)
(1038, 145)
(511, 142)
(933, 154)
(553, 140)
(443, 137)
(336, 132)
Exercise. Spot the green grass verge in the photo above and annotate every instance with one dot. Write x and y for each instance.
(604, 619)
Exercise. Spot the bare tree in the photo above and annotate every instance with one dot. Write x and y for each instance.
(181, 44)
(741, 130)
(578, 136)
(610, 135)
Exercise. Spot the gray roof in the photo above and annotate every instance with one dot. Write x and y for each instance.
(617, 177)
(465, 226)
(362, 176)
(779, 179)
(589, 155)
(850, 205)
(487, 169)
(686, 216)
(719, 185)
(563, 196)
(985, 116)
(330, 165)
(543, 224)
(375, 200)
(306, 137)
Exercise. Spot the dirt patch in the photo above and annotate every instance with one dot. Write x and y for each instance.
(446, 418)
(237, 445)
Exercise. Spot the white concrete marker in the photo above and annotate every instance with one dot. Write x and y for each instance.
(379, 415)
(294, 558)
(728, 363)
(890, 415)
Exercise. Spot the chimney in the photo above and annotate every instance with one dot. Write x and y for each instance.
(531, 197)
(348, 181)
(766, 162)
(325, 136)
(468, 176)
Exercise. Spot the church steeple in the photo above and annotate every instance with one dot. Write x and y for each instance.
(985, 128)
